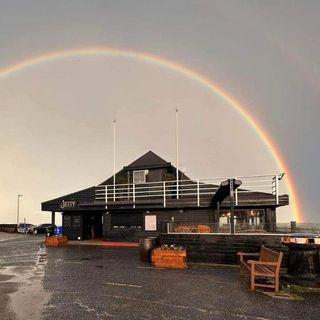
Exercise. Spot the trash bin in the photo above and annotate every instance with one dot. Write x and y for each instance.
(155, 241)
(145, 248)
(58, 231)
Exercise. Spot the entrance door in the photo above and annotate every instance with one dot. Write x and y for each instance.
(92, 226)
(72, 226)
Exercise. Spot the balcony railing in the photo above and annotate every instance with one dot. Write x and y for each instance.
(193, 191)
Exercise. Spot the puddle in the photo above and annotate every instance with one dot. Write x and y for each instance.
(27, 301)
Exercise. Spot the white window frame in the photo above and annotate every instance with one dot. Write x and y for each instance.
(145, 173)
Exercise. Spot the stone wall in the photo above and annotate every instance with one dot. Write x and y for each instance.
(222, 249)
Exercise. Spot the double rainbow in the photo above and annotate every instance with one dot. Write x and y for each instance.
(174, 66)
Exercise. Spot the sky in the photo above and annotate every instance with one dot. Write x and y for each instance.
(56, 118)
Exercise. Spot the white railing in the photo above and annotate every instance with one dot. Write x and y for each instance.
(259, 183)
(196, 190)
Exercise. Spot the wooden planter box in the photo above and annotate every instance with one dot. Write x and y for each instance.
(55, 241)
(173, 259)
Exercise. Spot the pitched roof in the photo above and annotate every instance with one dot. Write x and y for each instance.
(148, 160)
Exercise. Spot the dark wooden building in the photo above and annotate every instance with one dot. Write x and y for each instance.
(147, 199)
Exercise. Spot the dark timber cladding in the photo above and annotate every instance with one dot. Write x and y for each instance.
(145, 198)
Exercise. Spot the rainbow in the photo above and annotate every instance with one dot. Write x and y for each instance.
(174, 66)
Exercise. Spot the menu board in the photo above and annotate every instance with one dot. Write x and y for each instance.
(150, 223)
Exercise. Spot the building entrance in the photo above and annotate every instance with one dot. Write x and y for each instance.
(92, 226)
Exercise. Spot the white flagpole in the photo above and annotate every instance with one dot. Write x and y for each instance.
(114, 160)
(177, 152)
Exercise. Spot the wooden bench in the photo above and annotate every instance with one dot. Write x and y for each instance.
(268, 266)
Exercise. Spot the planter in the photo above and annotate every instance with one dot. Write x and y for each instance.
(55, 241)
(172, 259)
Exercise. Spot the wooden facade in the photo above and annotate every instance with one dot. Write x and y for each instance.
(86, 217)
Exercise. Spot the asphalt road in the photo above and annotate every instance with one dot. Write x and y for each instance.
(20, 275)
(91, 282)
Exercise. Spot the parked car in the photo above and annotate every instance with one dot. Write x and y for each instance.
(22, 227)
(43, 228)
(30, 229)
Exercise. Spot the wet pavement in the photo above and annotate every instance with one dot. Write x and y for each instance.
(22, 262)
(95, 282)
(103, 283)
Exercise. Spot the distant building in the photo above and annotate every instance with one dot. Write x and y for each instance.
(147, 199)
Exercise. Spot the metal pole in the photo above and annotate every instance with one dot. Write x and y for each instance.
(198, 193)
(164, 194)
(134, 194)
(18, 208)
(114, 160)
(232, 205)
(277, 189)
(177, 152)
(106, 196)
(236, 194)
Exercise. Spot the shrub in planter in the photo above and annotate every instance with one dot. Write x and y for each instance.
(169, 256)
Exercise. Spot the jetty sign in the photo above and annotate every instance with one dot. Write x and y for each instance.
(65, 204)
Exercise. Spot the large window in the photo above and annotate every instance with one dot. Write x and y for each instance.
(244, 219)
(140, 176)
(127, 220)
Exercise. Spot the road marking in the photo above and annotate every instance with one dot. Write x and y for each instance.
(152, 268)
(162, 303)
(89, 309)
(123, 285)
(42, 257)
(184, 307)
(242, 316)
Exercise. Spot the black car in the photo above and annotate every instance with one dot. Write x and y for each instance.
(43, 228)
(30, 229)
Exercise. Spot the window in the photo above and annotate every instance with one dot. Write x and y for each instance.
(140, 176)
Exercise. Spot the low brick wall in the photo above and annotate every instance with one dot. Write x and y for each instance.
(8, 228)
(222, 248)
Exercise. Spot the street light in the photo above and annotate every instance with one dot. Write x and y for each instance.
(18, 209)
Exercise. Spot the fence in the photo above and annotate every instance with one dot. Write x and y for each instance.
(225, 228)
(8, 228)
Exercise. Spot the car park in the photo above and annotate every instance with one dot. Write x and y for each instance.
(43, 228)
(30, 229)
(22, 227)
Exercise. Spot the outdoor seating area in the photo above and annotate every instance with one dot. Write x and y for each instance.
(147, 291)
(267, 266)
(267, 271)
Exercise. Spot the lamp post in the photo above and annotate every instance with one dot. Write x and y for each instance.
(18, 208)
